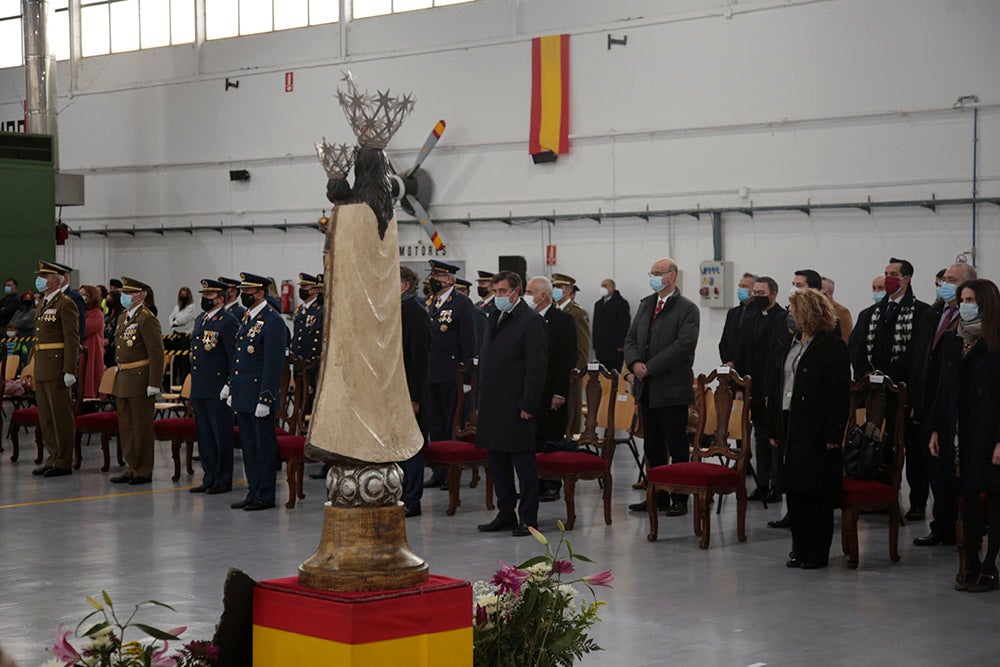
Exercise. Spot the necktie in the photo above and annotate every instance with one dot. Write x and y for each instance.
(890, 311)
(949, 313)
(659, 307)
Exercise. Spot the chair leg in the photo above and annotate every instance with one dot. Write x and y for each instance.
(78, 451)
(189, 457)
(570, 493)
(852, 538)
(290, 478)
(454, 479)
(741, 513)
(39, 452)
(895, 519)
(696, 515)
(300, 472)
(843, 532)
(175, 453)
(654, 521)
(106, 450)
(703, 498)
(489, 489)
(607, 497)
(960, 542)
(15, 445)
(474, 482)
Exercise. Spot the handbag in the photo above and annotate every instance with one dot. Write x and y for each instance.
(863, 451)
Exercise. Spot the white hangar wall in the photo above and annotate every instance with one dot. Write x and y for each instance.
(711, 103)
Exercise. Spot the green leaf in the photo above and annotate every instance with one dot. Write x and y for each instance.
(159, 604)
(94, 629)
(154, 633)
(582, 557)
(532, 561)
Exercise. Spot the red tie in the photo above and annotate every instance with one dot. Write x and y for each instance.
(659, 307)
(949, 313)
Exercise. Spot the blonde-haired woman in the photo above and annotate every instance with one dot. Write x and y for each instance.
(808, 412)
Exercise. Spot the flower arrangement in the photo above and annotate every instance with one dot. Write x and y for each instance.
(530, 615)
(106, 645)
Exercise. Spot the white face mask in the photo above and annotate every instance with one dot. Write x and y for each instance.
(529, 300)
(793, 290)
(603, 292)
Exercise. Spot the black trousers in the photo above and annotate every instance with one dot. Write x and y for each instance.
(440, 417)
(665, 429)
(504, 465)
(975, 514)
(765, 453)
(944, 485)
(915, 443)
(810, 516)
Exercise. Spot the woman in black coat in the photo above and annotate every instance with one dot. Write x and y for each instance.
(808, 412)
(969, 397)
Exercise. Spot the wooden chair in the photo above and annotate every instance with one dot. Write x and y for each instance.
(103, 423)
(180, 431)
(871, 393)
(570, 467)
(626, 422)
(292, 447)
(26, 417)
(701, 479)
(460, 453)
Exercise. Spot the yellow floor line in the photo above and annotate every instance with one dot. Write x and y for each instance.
(102, 497)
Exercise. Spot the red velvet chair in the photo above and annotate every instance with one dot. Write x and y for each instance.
(701, 479)
(871, 394)
(292, 445)
(460, 453)
(179, 431)
(571, 467)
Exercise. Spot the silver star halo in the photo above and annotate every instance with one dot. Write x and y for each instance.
(374, 119)
(337, 159)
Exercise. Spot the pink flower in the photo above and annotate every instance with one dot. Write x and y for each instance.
(63, 650)
(600, 579)
(562, 567)
(509, 579)
(160, 657)
(176, 632)
(202, 649)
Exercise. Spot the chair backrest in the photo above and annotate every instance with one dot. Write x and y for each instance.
(466, 374)
(871, 395)
(10, 364)
(299, 372)
(595, 391)
(107, 383)
(284, 418)
(624, 413)
(716, 413)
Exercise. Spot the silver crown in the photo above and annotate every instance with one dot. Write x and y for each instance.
(374, 119)
(337, 159)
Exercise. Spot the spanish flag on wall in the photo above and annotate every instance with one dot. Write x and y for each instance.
(549, 98)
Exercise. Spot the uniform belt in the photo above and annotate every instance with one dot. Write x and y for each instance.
(133, 364)
(50, 346)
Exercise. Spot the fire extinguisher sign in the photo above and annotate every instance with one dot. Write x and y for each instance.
(289, 81)
(550, 255)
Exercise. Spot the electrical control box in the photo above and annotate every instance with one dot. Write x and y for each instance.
(716, 286)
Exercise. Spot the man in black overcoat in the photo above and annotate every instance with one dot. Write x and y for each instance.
(416, 360)
(735, 317)
(560, 339)
(611, 321)
(512, 365)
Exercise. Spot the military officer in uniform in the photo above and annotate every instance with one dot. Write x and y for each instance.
(253, 390)
(462, 286)
(139, 358)
(453, 342)
(564, 293)
(213, 350)
(233, 304)
(77, 298)
(307, 322)
(57, 328)
(484, 288)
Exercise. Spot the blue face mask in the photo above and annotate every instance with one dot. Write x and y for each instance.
(126, 300)
(878, 296)
(968, 311)
(7, 289)
(656, 283)
(946, 292)
(557, 293)
(41, 284)
(743, 294)
(503, 304)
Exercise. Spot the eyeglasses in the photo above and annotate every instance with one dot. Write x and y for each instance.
(659, 274)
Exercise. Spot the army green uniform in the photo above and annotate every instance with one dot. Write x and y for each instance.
(582, 322)
(139, 355)
(57, 328)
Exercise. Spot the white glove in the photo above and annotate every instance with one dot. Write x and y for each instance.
(152, 391)
(262, 410)
(466, 388)
(229, 401)
(69, 379)
(224, 394)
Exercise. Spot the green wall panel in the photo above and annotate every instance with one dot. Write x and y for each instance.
(27, 215)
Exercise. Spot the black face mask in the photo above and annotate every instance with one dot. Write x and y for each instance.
(247, 300)
(112, 299)
(27, 303)
(184, 300)
(207, 304)
(436, 285)
(759, 302)
(483, 292)
(303, 294)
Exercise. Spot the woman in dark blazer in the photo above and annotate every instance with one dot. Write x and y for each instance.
(808, 411)
(969, 397)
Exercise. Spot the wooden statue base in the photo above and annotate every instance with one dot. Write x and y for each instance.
(363, 549)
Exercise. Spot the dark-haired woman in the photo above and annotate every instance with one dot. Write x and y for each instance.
(968, 401)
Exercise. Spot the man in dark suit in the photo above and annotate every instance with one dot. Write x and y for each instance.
(730, 341)
(560, 345)
(453, 342)
(462, 286)
(611, 322)
(213, 351)
(856, 341)
(659, 350)
(416, 360)
(253, 390)
(763, 327)
(233, 304)
(512, 367)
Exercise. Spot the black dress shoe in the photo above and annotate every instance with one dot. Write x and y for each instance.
(794, 562)
(756, 496)
(135, 481)
(411, 511)
(121, 479)
(677, 508)
(521, 530)
(38, 472)
(258, 506)
(201, 488)
(783, 522)
(967, 579)
(214, 490)
(498, 524)
(642, 507)
(932, 540)
(548, 496)
(241, 504)
(773, 497)
(57, 472)
(812, 565)
(433, 483)
(915, 514)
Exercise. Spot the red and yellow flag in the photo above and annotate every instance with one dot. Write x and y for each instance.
(549, 97)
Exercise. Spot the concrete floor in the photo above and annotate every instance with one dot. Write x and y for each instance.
(735, 604)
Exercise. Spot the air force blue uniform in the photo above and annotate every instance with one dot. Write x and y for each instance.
(453, 341)
(213, 352)
(307, 323)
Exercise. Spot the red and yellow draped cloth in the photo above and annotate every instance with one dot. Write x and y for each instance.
(549, 97)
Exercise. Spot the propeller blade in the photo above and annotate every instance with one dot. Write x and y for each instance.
(425, 222)
(428, 146)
